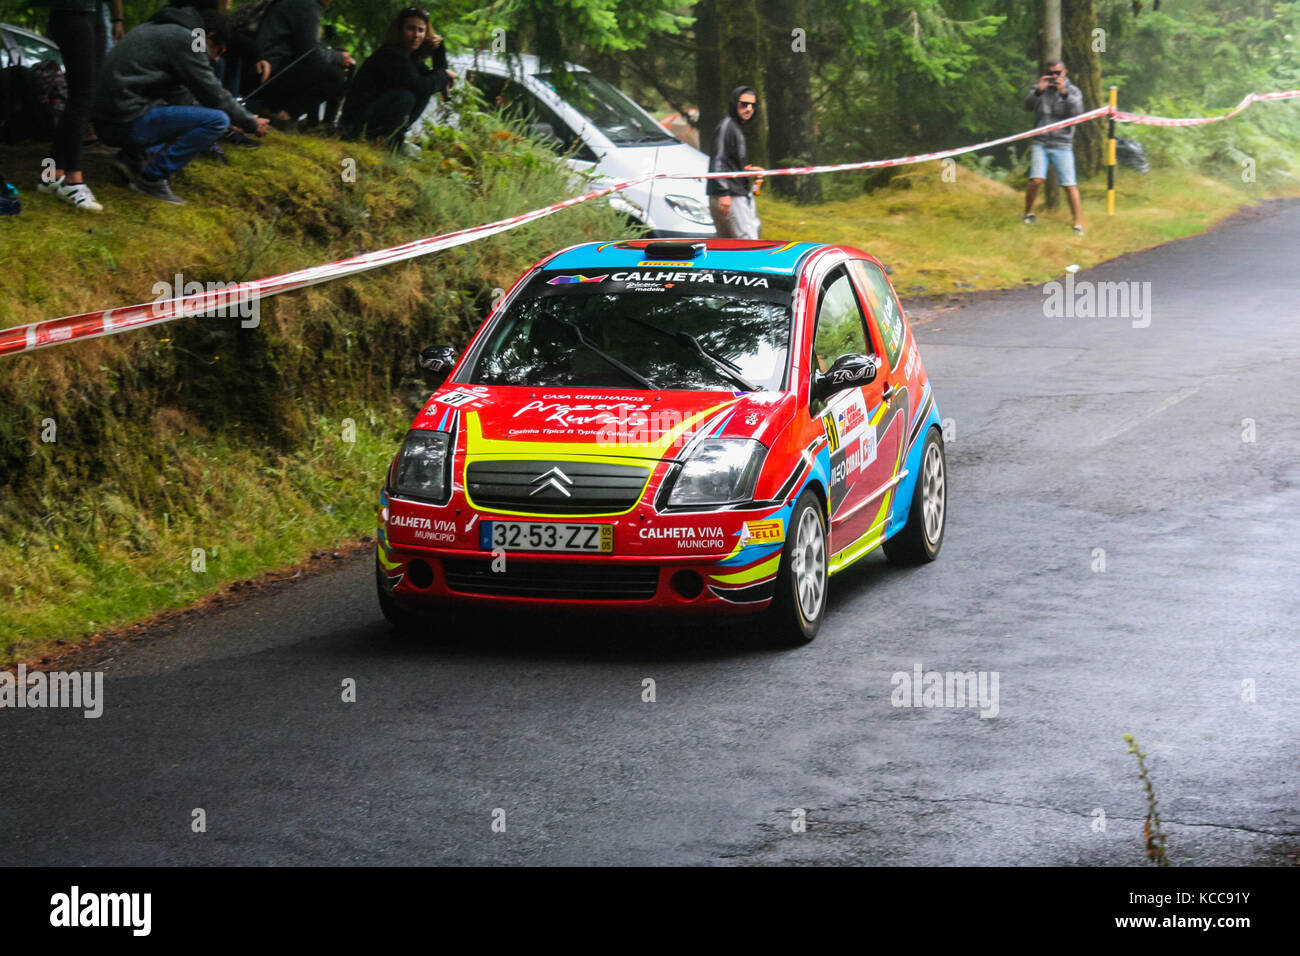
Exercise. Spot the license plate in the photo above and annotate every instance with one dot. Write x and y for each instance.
(546, 536)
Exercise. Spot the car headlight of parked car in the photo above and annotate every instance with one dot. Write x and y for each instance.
(720, 471)
(690, 208)
(423, 465)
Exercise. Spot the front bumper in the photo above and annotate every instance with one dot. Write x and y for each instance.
(566, 582)
(659, 563)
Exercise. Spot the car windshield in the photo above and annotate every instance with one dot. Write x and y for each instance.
(28, 48)
(611, 111)
(645, 329)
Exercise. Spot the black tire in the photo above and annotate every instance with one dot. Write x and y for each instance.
(405, 622)
(792, 620)
(921, 538)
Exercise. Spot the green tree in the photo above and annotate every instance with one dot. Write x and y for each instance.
(1080, 50)
(791, 130)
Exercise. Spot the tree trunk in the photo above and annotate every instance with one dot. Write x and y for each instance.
(1051, 36)
(708, 72)
(1079, 19)
(791, 138)
(1049, 50)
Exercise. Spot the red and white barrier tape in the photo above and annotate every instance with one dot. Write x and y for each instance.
(89, 325)
(1145, 120)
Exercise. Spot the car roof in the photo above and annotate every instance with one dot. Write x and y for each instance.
(23, 31)
(733, 255)
(526, 64)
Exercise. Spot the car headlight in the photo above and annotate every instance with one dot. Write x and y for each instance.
(422, 466)
(719, 472)
(689, 208)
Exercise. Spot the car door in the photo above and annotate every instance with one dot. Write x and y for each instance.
(899, 378)
(858, 471)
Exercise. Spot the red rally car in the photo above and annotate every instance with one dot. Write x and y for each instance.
(707, 427)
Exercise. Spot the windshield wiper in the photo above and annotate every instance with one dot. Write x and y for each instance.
(631, 373)
(726, 367)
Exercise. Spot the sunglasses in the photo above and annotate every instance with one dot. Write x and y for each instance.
(414, 12)
(750, 103)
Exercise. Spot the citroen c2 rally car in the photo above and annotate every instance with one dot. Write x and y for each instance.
(707, 427)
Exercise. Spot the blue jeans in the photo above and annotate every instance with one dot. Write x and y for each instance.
(187, 131)
(1062, 159)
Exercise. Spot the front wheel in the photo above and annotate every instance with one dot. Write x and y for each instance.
(802, 579)
(921, 538)
(405, 622)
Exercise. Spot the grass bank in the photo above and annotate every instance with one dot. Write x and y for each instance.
(943, 236)
(141, 472)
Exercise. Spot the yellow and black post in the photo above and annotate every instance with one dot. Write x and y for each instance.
(1110, 154)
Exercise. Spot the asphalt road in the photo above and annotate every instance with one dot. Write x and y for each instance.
(1066, 435)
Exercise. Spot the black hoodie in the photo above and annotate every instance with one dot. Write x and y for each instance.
(394, 67)
(729, 150)
(156, 65)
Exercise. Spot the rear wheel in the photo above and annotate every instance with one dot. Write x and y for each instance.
(802, 579)
(921, 538)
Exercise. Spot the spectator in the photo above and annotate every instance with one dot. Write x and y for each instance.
(226, 68)
(1053, 99)
(299, 72)
(77, 26)
(147, 91)
(731, 201)
(394, 85)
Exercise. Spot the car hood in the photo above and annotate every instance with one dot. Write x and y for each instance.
(633, 162)
(532, 423)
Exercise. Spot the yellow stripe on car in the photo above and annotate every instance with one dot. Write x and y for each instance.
(384, 562)
(764, 570)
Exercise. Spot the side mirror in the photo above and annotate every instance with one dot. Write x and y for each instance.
(848, 371)
(438, 359)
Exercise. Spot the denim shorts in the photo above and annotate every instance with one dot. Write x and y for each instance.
(1062, 159)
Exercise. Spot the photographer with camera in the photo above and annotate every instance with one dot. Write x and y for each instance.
(294, 71)
(1053, 99)
(394, 85)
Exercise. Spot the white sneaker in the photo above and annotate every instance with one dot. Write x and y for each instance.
(76, 195)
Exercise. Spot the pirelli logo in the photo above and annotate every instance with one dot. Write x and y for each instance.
(765, 532)
(832, 435)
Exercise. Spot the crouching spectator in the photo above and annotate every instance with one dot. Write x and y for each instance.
(296, 70)
(394, 85)
(160, 64)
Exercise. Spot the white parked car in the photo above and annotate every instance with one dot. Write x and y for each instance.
(600, 131)
(22, 47)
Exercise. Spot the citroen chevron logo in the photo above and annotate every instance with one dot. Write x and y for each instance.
(552, 479)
